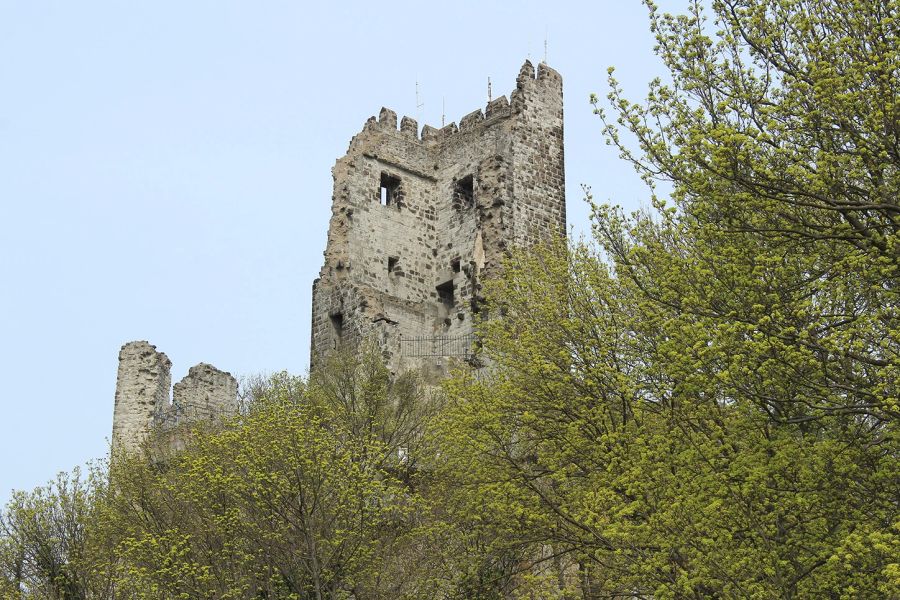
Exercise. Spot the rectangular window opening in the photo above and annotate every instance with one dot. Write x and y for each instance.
(337, 329)
(464, 194)
(388, 189)
(392, 263)
(446, 296)
(454, 264)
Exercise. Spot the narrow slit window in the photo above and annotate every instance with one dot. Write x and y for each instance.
(337, 329)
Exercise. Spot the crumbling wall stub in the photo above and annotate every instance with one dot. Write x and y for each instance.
(146, 401)
(205, 396)
(142, 391)
(206, 391)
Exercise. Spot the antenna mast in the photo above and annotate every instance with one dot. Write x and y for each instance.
(546, 36)
(419, 103)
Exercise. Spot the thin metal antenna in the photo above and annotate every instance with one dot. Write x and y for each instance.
(443, 110)
(546, 36)
(489, 89)
(419, 103)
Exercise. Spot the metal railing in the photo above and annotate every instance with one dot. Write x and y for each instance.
(438, 346)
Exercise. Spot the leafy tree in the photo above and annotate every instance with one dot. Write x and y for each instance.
(779, 135)
(307, 494)
(604, 439)
(299, 498)
(391, 410)
(706, 406)
(46, 546)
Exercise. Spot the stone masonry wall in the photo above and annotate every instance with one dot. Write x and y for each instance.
(405, 270)
(538, 159)
(143, 401)
(142, 389)
(206, 390)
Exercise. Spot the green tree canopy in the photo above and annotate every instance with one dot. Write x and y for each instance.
(302, 497)
(706, 404)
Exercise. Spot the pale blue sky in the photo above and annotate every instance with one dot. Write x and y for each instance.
(165, 173)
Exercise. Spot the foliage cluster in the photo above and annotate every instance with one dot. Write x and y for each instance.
(306, 495)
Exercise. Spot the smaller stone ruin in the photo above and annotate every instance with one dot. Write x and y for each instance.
(146, 401)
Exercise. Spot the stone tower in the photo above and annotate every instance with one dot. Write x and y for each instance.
(143, 402)
(419, 221)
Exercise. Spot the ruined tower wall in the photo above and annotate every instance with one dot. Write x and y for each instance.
(207, 391)
(459, 198)
(142, 391)
(362, 294)
(146, 401)
(538, 157)
(470, 153)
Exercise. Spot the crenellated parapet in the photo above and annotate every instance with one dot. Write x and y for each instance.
(409, 127)
(471, 120)
(530, 83)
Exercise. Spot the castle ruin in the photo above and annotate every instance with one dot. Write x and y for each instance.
(420, 221)
(143, 402)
